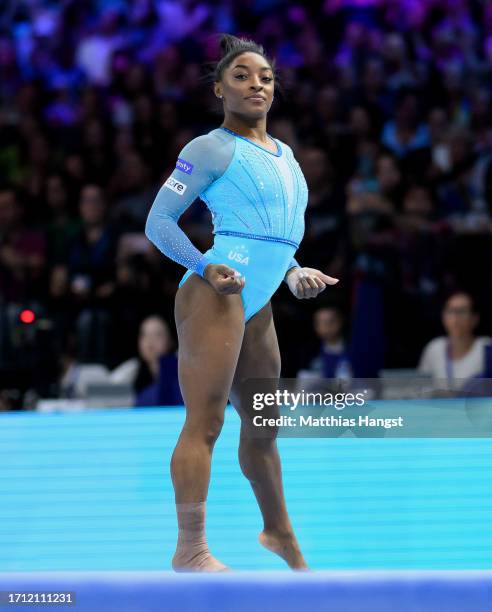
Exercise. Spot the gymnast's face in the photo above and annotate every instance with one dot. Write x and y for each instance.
(247, 86)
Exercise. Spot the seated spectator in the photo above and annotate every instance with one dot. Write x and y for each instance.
(154, 373)
(333, 359)
(460, 355)
(91, 256)
(405, 133)
(132, 185)
(91, 262)
(417, 236)
(62, 226)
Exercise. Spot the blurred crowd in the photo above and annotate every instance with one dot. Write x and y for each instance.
(385, 103)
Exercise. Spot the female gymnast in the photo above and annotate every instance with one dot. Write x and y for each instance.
(257, 195)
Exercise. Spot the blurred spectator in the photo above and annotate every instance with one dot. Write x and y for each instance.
(91, 254)
(96, 48)
(325, 207)
(460, 355)
(132, 186)
(136, 295)
(405, 133)
(333, 359)
(418, 237)
(91, 261)
(154, 373)
(63, 225)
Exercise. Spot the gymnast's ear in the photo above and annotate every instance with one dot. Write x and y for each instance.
(217, 90)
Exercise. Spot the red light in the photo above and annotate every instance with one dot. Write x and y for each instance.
(27, 316)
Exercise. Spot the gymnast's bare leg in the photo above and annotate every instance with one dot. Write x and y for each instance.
(210, 330)
(259, 457)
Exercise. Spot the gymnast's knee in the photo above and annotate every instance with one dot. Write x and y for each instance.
(206, 429)
(251, 442)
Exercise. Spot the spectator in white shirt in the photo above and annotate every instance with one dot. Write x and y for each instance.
(459, 356)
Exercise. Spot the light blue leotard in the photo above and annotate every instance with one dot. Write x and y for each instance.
(257, 199)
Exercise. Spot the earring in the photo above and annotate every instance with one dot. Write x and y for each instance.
(219, 97)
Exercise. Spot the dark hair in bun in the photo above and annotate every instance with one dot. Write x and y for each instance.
(232, 46)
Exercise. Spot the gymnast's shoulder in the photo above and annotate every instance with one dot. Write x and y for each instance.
(215, 147)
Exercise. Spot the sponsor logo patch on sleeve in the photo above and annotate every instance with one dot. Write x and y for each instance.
(184, 166)
(175, 185)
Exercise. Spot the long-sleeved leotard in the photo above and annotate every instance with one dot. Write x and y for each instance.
(252, 193)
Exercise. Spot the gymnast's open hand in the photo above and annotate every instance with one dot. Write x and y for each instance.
(307, 283)
(224, 280)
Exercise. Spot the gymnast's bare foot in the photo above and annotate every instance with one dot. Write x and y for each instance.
(286, 546)
(201, 561)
